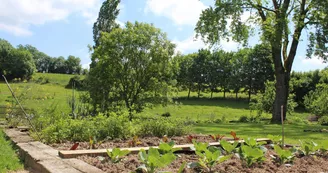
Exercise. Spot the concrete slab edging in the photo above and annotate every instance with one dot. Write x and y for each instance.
(41, 158)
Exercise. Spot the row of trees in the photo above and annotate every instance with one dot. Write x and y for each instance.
(23, 61)
(280, 23)
(244, 71)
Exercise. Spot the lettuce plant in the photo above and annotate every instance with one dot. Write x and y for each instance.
(164, 148)
(208, 157)
(228, 147)
(308, 147)
(284, 155)
(154, 160)
(116, 154)
(252, 155)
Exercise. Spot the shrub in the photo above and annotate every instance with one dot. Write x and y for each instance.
(77, 82)
(316, 101)
(323, 120)
(166, 114)
(296, 120)
(161, 126)
(264, 102)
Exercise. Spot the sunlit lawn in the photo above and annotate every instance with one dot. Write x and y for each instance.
(9, 160)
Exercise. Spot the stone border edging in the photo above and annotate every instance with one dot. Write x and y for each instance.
(43, 158)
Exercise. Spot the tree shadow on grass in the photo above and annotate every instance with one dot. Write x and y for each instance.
(230, 103)
(293, 133)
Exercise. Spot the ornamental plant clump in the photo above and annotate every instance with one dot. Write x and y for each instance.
(208, 157)
(234, 135)
(252, 155)
(283, 155)
(154, 160)
(117, 154)
(228, 147)
(217, 137)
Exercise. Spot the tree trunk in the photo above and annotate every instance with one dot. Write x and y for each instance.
(212, 94)
(237, 95)
(282, 90)
(224, 91)
(189, 92)
(198, 90)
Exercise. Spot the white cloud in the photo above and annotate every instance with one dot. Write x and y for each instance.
(16, 16)
(86, 66)
(182, 12)
(191, 44)
(314, 61)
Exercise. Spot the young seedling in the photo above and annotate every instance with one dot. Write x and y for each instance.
(253, 143)
(208, 157)
(234, 135)
(93, 143)
(252, 155)
(164, 148)
(134, 142)
(276, 139)
(165, 139)
(217, 137)
(228, 147)
(308, 147)
(154, 160)
(190, 138)
(117, 154)
(284, 155)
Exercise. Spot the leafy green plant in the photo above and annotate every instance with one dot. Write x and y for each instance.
(276, 139)
(253, 143)
(252, 155)
(284, 155)
(164, 148)
(154, 160)
(116, 154)
(308, 147)
(208, 157)
(228, 147)
(134, 142)
(323, 146)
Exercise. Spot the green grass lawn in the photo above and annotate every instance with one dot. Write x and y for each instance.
(8, 157)
(293, 133)
(54, 93)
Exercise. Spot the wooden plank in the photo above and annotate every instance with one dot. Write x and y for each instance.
(103, 152)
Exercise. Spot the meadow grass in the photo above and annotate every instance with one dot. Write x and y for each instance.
(42, 96)
(9, 160)
(57, 79)
(293, 132)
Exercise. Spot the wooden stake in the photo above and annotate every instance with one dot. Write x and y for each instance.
(282, 126)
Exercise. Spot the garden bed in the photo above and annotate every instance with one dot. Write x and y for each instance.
(300, 163)
(130, 163)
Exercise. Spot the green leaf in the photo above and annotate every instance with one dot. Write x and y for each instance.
(224, 158)
(227, 146)
(182, 167)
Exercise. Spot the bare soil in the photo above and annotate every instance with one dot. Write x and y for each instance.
(145, 142)
(308, 164)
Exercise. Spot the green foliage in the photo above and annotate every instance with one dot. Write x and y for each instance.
(276, 139)
(116, 154)
(284, 155)
(77, 82)
(253, 143)
(162, 126)
(15, 63)
(252, 155)
(323, 120)
(134, 82)
(154, 160)
(316, 101)
(308, 147)
(208, 156)
(9, 161)
(264, 102)
(228, 147)
(164, 148)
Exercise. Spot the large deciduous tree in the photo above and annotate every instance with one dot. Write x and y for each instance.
(106, 19)
(281, 23)
(15, 63)
(130, 62)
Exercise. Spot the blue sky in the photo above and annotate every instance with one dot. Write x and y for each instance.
(64, 27)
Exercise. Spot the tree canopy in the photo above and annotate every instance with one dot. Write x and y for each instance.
(131, 63)
(281, 23)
